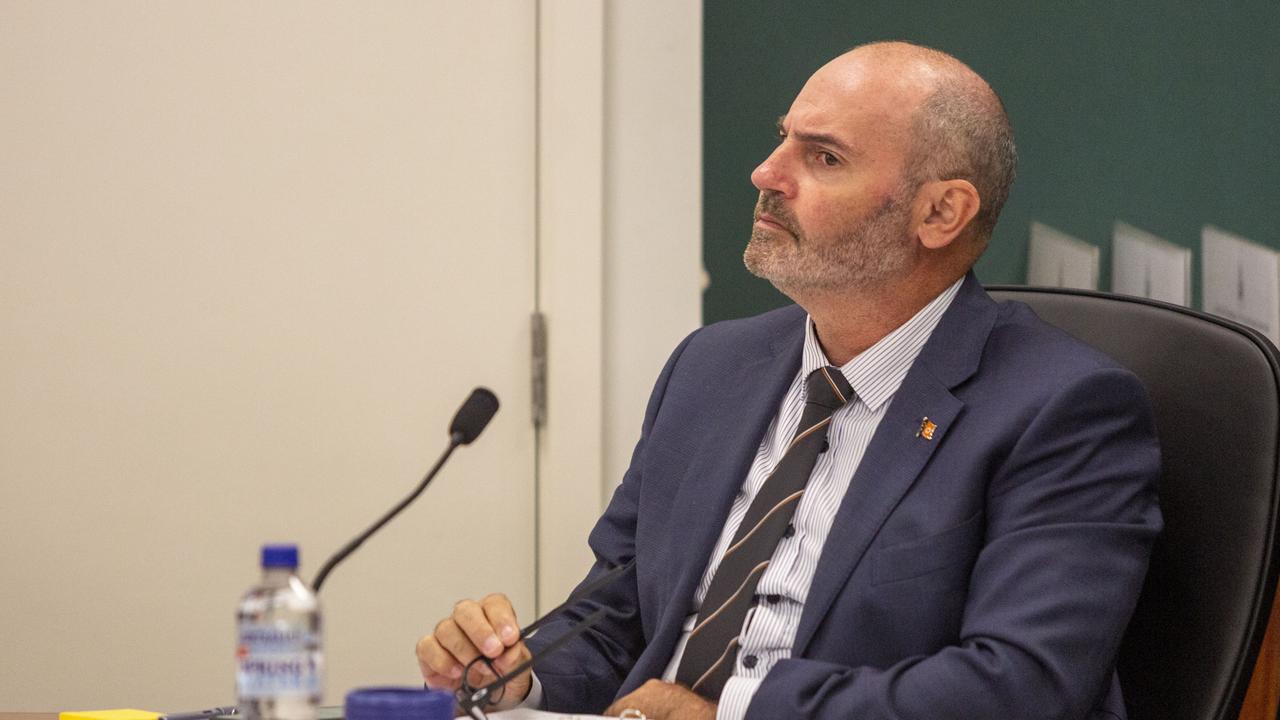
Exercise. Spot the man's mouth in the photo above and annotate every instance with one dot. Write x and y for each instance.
(771, 222)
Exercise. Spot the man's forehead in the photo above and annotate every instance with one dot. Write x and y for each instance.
(840, 116)
(846, 95)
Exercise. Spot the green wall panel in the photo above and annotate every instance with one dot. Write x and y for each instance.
(1164, 115)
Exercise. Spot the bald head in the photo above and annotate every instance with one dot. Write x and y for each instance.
(951, 121)
(892, 165)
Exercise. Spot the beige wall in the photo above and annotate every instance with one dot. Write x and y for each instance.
(233, 241)
(248, 254)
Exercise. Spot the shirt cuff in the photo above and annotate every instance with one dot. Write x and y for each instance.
(736, 696)
(532, 701)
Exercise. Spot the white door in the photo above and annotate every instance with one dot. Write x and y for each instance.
(252, 257)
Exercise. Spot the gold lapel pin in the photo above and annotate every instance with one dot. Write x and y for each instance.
(926, 429)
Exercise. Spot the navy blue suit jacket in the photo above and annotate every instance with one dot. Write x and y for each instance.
(986, 573)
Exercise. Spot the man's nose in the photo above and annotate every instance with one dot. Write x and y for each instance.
(773, 174)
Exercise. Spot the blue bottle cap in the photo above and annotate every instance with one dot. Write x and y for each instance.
(398, 703)
(280, 556)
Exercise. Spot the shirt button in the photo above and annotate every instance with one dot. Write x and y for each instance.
(791, 530)
(773, 599)
(750, 661)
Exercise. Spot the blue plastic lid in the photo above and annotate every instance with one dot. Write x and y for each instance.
(280, 556)
(399, 703)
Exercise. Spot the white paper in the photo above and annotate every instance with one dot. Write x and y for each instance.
(1055, 259)
(1241, 281)
(1147, 266)
(522, 714)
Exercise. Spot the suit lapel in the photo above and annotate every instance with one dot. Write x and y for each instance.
(899, 450)
(729, 444)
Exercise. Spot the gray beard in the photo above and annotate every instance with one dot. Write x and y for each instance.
(861, 258)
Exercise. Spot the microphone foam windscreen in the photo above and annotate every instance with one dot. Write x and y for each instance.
(474, 415)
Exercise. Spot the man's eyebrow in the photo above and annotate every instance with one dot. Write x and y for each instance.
(818, 138)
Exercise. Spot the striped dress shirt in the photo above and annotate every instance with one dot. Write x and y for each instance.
(769, 630)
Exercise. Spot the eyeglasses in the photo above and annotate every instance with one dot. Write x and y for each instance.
(473, 699)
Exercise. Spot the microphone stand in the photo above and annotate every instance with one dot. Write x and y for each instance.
(456, 438)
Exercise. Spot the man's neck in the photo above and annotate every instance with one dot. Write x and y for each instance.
(851, 320)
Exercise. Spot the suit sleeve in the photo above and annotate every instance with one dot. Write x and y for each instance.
(1071, 517)
(584, 676)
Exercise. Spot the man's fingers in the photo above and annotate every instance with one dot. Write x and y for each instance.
(440, 682)
(471, 619)
(513, 657)
(434, 659)
(480, 675)
(502, 618)
(660, 699)
(455, 642)
(618, 706)
(475, 629)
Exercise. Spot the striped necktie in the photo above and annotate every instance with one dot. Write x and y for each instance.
(712, 648)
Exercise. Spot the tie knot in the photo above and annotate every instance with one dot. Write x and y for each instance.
(827, 387)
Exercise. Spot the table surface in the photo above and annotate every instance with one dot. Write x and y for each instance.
(28, 716)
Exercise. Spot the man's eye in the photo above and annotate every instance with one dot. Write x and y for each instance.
(828, 159)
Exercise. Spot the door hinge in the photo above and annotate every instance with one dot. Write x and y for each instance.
(539, 369)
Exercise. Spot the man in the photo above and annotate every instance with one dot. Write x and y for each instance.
(896, 500)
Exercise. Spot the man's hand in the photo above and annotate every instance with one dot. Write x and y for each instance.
(665, 701)
(474, 629)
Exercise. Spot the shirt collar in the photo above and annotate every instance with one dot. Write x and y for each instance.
(876, 373)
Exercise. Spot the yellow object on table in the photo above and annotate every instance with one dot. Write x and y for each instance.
(126, 714)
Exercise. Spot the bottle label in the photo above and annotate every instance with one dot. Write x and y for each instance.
(274, 661)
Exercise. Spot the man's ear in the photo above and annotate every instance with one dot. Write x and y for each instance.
(948, 206)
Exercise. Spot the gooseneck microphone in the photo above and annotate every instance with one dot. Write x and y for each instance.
(476, 412)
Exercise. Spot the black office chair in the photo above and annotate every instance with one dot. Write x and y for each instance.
(1190, 650)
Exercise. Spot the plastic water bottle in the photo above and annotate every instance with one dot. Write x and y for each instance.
(279, 663)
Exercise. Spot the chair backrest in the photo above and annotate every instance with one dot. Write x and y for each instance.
(1190, 649)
